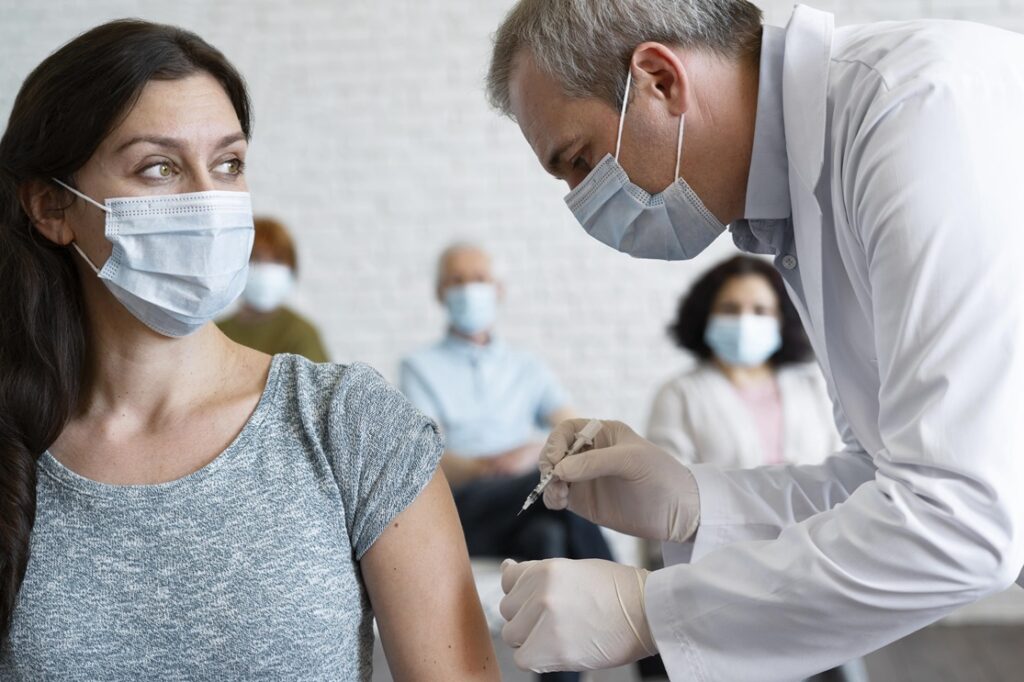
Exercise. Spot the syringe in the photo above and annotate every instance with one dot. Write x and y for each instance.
(584, 438)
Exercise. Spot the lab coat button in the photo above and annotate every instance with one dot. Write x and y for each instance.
(789, 262)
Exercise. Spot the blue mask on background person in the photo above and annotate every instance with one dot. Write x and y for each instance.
(267, 286)
(472, 308)
(672, 225)
(179, 260)
(743, 340)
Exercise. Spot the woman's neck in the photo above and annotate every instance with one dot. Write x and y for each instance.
(745, 377)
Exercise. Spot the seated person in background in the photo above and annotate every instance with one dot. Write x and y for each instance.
(490, 400)
(752, 399)
(264, 322)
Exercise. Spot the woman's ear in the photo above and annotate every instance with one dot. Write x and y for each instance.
(45, 206)
(659, 72)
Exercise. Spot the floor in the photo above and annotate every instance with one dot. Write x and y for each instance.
(942, 653)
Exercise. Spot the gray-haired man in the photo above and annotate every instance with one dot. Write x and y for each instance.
(879, 164)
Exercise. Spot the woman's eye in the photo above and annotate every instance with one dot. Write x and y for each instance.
(231, 167)
(159, 171)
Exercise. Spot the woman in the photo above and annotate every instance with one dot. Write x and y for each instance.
(752, 399)
(264, 322)
(174, 505)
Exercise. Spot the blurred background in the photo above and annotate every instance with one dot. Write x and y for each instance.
(375, 146)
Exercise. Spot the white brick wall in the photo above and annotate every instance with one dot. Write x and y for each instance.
(373, 141)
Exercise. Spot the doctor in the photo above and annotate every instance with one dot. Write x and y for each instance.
(881, 166)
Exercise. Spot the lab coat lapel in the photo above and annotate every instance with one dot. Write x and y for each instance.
(804, 87)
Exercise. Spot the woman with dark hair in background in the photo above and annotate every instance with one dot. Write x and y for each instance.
(174, 505)
(752, 399)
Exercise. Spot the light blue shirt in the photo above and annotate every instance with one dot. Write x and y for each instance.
(487, 399)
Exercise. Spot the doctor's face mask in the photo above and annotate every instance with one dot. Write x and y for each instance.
(671, 225)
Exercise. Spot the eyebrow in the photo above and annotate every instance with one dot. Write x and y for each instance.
(172, 143)
(555, 159)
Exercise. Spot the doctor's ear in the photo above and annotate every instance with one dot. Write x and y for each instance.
(659, 72)
(45, 205)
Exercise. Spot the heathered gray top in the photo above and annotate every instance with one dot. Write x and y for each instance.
(245, 570)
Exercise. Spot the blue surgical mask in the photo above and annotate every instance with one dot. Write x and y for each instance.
(672, 225)
(743, 340)
(267, 286)
(472, 308)
(179, 260)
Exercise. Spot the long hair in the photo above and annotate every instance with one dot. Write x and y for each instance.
(64, 110)
(695, 309)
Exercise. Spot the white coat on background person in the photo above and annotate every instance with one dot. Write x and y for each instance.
(698, 417)
(901, 249)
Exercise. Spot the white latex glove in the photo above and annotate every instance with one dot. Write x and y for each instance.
(625, 483)
(574, 615)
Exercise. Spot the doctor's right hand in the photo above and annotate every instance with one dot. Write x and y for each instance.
(625, 483)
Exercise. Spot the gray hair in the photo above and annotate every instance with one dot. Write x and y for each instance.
(586, 45)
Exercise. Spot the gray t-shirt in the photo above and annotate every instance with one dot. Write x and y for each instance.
(245, 570)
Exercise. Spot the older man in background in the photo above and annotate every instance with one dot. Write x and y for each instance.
(491, 400)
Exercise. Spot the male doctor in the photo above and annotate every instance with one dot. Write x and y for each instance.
(881, 166)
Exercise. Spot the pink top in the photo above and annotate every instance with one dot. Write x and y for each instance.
(765, 404)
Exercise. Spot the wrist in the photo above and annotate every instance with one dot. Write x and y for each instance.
(638, 622)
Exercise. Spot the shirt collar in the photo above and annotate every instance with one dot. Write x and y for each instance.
(768, 184)
(457, 344)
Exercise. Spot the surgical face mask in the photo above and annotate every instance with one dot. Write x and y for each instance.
(267, 286)
(743, 340)
(472, 308)
(179, 259)
(672, 225)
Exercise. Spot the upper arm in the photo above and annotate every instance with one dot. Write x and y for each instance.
(552, 398)
(423, 595)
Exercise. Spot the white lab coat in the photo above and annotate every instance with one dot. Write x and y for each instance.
(698, 416)
(905, 145)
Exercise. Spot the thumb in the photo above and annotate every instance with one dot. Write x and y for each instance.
(586, 466)
(511, 571)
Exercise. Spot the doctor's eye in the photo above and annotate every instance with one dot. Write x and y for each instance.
(579, 163)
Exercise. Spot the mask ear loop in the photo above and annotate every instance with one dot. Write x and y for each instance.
(679, 147)
(622, 114)
(95, 203)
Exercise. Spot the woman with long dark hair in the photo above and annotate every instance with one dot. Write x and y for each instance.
(173, 505)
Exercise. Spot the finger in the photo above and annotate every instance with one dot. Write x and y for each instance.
(586, 466)
(561, 439)
(556, 495)
(511, 572)
(519, 628)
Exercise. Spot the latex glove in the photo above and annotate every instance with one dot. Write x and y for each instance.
(574, 615)
(625, 483)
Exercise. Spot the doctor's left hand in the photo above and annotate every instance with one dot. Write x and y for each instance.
(574, 615)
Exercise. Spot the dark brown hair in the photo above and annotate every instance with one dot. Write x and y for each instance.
(695, 309)
(64, 110)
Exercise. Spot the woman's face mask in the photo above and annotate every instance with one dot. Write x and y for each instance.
(672, 225)
(179, 260)
(268, 286)
(743, 340)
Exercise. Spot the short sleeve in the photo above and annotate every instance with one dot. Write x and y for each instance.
(383, 452)
(552, 396)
